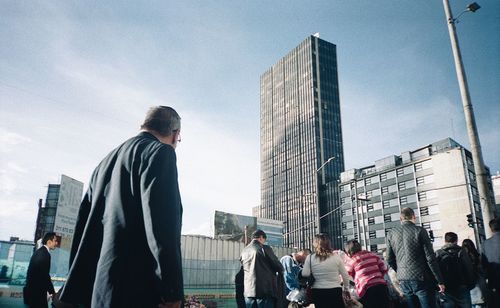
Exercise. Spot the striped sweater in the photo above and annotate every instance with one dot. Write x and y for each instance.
(367, 269)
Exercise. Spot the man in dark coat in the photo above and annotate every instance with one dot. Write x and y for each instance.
(38, 281)
(410, 254)
(261, 267)
(126, 248)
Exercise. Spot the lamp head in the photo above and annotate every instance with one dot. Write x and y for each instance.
(473, 7)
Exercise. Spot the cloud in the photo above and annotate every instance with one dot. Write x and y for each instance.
(10, 139)
(15, 167)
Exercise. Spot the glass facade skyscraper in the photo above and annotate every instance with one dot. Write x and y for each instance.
(300, 131)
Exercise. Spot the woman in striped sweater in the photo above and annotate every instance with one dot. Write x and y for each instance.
(368, 270)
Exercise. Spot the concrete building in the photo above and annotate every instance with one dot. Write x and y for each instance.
(300, 132)
(496, 189)
(58, 215)
(437, 181)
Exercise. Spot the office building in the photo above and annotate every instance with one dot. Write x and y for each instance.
(58, 215)
(437, 181)
(301, 142)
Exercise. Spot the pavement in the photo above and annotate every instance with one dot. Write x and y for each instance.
(11, 296)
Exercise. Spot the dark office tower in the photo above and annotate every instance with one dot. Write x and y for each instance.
(301, 143)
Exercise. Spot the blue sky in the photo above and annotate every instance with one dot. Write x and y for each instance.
(76, 78)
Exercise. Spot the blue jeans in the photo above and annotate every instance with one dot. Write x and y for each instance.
(425, 292)
(457, 298)
(252, 302)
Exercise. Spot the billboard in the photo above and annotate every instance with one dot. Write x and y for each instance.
(231, 227)
(68, 204)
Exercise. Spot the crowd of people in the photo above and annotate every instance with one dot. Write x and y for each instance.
(410, 273)
(129, 229)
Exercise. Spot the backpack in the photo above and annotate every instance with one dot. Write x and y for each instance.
(455, 270)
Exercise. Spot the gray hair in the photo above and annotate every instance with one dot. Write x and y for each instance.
(163, 120)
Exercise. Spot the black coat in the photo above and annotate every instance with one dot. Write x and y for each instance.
(38, 281)
(126, 248)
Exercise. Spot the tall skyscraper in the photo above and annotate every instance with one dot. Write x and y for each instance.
(301, 143)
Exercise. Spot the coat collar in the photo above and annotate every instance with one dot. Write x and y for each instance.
(147, 135)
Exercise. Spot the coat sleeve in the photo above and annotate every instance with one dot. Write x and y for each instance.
(343, 273)
(162, 210)
(49, 285)
(391, 256)
(275, 263)
(430, 255)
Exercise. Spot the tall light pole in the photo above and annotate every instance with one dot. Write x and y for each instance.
(477, 156)
(318, 212)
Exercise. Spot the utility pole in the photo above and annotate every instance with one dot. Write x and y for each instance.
(477, 156)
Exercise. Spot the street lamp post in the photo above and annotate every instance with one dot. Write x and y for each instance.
(477, 156)
(318, 213)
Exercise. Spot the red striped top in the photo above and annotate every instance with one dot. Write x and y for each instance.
(367, 269)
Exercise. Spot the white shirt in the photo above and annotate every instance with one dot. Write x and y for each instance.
(327, 272)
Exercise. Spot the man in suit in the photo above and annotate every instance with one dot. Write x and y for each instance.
(38, 281)
(126, 250)
(260, 266)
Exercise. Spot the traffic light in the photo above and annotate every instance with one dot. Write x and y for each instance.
(470, 220)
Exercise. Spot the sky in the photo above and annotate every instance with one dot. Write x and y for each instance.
(77, 77)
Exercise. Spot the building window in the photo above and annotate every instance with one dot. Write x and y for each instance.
(387, 218)
(420, 180)
(344, 226)
(372, 235)
(400, 172)
(422, 196)
(373, 247)
(477, 207)
(385, 190)
(474, 191)
(424, 211)
(383, 176)
(403, 200)
(368, 181)
(402, 186)
(371, 220)
(369, 207)
(386, 204)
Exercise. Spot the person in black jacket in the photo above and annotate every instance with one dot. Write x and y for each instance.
(38, 281)
(458, 273)
(261, 268)
(126, 250)
(411, 256)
